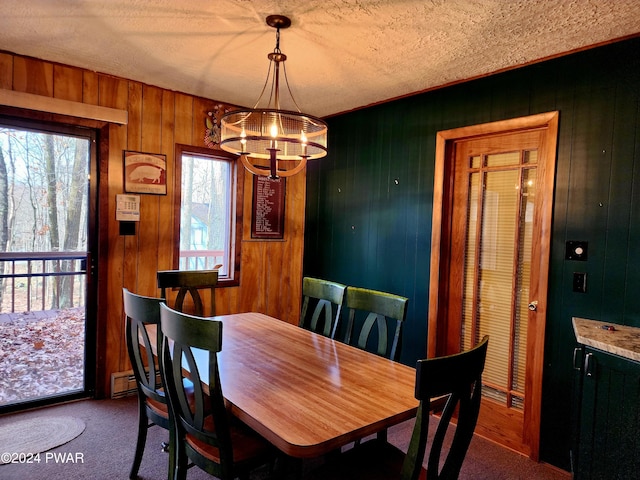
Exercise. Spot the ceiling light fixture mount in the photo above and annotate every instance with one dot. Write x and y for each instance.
(287, 138)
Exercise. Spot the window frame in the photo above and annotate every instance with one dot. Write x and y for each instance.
(236, 220)
(97, 135)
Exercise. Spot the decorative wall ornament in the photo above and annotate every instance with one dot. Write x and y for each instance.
(212, 124)
(145, 172)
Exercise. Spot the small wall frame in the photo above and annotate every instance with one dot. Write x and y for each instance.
(267, 212)
(145, 173)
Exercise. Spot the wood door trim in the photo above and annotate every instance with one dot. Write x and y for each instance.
(547, 175)
(440, 244)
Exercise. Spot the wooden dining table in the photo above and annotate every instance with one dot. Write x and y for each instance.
(305, 393)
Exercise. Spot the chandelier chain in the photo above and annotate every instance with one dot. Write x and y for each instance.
(264, 87)
(286, 81)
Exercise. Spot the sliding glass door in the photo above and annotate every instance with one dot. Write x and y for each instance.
(46, 210)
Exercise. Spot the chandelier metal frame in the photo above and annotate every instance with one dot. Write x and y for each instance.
(284, 137)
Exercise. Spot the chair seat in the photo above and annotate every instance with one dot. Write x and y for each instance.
(371, 460)
(158, 408)
(161, 408)
(246, 443)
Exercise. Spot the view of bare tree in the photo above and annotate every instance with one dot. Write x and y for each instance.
(43, 245)
(43, 208)
(203, 224)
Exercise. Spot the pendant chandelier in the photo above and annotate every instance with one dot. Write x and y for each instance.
(286, 138)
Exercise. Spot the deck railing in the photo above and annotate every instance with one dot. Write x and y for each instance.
(200, 259)
(41, 281)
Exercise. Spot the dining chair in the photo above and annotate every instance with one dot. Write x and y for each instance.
(380, 308)
(206, 433)
(152, 403)
(189, 282)
(327, 296)
(458, 378)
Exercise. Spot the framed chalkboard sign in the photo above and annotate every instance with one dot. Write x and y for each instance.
(267, 212)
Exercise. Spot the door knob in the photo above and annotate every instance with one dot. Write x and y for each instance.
(533, 306)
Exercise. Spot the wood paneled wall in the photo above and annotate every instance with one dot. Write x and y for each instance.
(271, 271)
(369, 203)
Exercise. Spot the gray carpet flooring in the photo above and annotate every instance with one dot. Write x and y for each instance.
(106, 448)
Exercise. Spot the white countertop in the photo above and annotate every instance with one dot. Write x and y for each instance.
(623, 341)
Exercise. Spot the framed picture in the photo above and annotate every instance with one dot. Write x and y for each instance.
(267, 212)
(145, 173)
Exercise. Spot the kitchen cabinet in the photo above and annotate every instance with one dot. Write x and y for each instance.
(607, 434)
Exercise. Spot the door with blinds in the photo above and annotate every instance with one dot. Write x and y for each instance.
(495, 272)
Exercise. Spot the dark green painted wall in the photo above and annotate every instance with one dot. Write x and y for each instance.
(368, 217)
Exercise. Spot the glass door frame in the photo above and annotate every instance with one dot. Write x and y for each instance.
(438, 342)
(92, 134)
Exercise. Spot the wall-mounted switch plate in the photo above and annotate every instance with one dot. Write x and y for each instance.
(579, 282)
(576, 250)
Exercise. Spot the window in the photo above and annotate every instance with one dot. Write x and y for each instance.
(210, 220)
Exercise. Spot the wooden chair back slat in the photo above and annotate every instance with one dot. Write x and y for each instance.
(454, 379)
(189, 283)
(203, 427)
(152, 402)
(458, 377)
(380, 308)
(326, 314)
(141, 311)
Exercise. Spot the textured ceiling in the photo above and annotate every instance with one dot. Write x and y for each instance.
(342, 54)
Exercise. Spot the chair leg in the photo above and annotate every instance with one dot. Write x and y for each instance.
(181, 463)
(172, 453)
(143, 425)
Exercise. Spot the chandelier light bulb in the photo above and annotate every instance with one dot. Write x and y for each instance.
(243, 139)
(303, 139)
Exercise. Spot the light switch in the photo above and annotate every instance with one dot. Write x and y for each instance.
(579, 282)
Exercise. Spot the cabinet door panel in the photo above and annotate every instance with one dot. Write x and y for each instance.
(609, 418)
